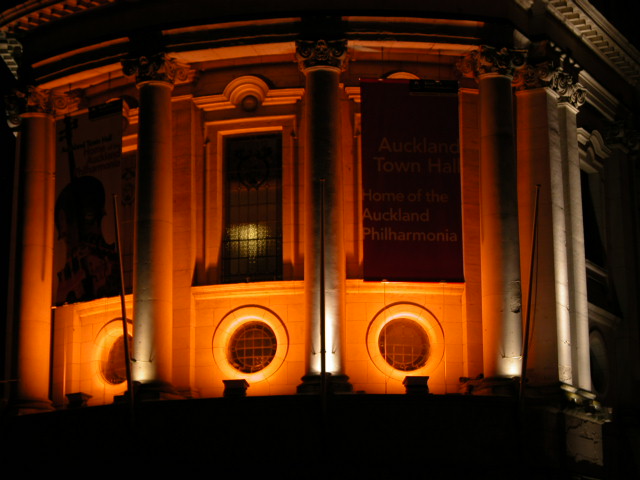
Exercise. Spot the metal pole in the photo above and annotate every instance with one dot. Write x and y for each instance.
(125, 330)
(527, 325)
(323, 347)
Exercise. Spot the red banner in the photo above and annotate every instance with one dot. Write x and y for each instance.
(411, 213)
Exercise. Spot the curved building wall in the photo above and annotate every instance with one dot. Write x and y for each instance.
(196, 84)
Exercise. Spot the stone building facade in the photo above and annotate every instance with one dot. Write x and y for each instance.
(244, 203)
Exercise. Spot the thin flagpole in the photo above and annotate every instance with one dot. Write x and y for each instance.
(125, 330)
(527, 325)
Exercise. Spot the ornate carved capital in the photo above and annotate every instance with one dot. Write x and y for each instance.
(554, 70)
(623, 134)
(34, 99)
(575, 96)
(490, 60)
(158, 67)
(321, 53)
(37, 100)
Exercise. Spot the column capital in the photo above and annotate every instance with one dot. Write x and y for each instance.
(623, 134)
(157, 67)
(553, 70)
(321, 53)
(489, 60)
(31, 99)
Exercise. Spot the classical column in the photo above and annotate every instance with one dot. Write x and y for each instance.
(34, 252)
(153, 231)
(540, 162)
(324, 258)
(499, 244)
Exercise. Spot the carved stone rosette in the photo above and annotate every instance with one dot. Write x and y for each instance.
(321, 53)
(489, 60)
(157, 67)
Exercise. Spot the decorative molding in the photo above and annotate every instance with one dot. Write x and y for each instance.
(599, 97)
(34, 99)
(11, 52)
(549, 67)
(353, 93)
(622, 134)
(32, 14)
(157, 67)
(489, 60)
(598, 33)
(402, 76)
(284, 96)
(247, 92)
(525, 4)
(321, 53)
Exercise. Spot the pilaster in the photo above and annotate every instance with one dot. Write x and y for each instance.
(548, 98)
(540, 86)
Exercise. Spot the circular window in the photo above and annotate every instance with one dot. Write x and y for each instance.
(252, 347)
(405, 338)
(108, 361)
(250, 342)
(113, 365)
(404, 345)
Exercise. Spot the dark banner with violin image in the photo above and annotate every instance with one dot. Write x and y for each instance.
(89, 172)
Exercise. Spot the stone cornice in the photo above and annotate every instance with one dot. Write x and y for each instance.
(321, 53)
(590, 26)
(35, 13)
(10, 52)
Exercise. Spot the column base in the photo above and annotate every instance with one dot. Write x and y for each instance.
(26, 406)
(497, 386)
(418, 385)
(78, 399)
(152, 391)
(312, 384)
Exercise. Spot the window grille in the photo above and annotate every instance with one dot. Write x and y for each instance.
(252, 347)
(404, 345)
(252, 245)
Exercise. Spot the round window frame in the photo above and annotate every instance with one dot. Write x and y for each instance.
(108, 335)
(230, 323)
(425, 319)
(244, 329)
(391, 358)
